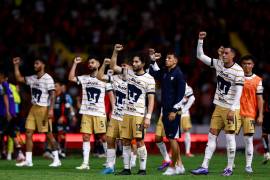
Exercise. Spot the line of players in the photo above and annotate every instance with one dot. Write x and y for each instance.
(129, 90)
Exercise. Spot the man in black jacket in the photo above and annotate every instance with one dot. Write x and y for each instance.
(172, 92)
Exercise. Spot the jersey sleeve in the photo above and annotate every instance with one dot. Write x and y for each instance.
(80, 80)
(240, 78)
(50, 84)
(189, 91)
(259, 90)
(150, 89)
(28, 80)
(109, 87)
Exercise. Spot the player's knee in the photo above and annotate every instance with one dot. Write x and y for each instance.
(248, 134)
(86, 137)
(29, 134)
(126, 142)
(110, 142)
(158, 139)
(140, 142)
(214, 131)
(229, 132)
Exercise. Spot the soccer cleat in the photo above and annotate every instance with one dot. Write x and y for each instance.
(55, 164)
(24, 164)
(189, 155)
(124, 172)
(108, 171)
(179, 170)
(170, 171)
(249, 170)
(141, 172)
(164, 165)
(83, 167)
(227, 172)
(266, 158)
(200, 171)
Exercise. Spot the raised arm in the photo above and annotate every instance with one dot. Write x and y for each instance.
(113, 65)
(200, 54)
(71, 76)
(101, 72)
(18, 76)
(154, 69)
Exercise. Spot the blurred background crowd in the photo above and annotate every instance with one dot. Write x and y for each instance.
(60, 30)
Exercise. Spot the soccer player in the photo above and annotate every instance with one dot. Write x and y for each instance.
(92, 106)
(251, 103)
(41, 112)
(137, 114)
(119, 88)
(172, 92)
(266, 121)
(230, 80)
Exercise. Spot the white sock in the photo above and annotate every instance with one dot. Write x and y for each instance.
(249, 150)
(209, 150)
(105, 147)
(163, 150)
(28, 157)
(231, 148)
(126, 156)
(86, 152)
(133, 158)
(111, 158)
(187, 142)
(55, 155)
(142, 153)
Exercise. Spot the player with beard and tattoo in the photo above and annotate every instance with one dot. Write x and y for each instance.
(41, 112)
(92, 106)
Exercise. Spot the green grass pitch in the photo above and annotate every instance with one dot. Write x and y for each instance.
(67, 171)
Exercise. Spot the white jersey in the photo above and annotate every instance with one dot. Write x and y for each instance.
(40, 88)
(185, 105)
(139, 86)
(120, 91)
(227, 80)
(93, 94)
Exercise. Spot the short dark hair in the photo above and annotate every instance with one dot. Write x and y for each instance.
(233, 50)
(174, 54)
(248, 57)
(41, 60)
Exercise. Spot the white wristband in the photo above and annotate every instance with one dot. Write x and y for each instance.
(148, 116)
